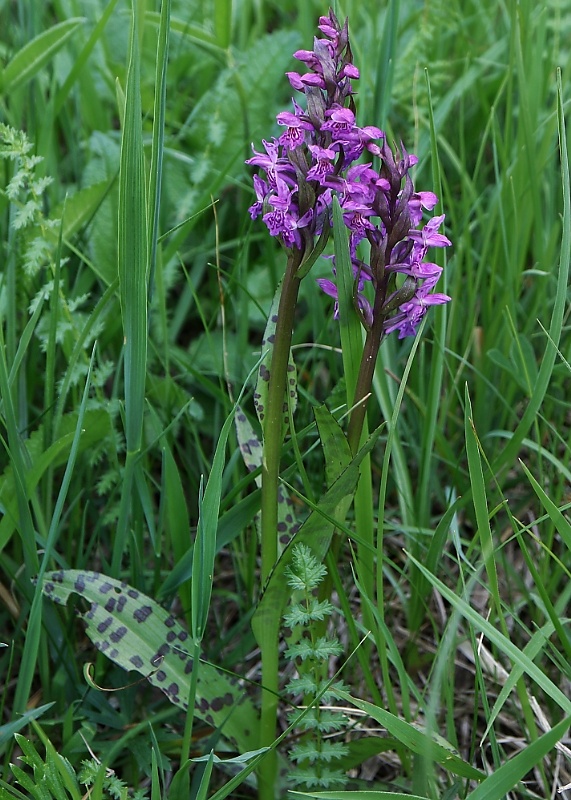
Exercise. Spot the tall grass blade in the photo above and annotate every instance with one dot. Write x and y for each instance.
(36, 54)
(133, 280)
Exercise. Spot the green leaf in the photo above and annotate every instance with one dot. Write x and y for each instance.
(251, 450)
(133, 251)
(504, 644)
(243, 758)
(559, 520)
(349, 324)
(425, 743)
(316, 533)
(8, 730)
(137, 634)
(495, 786)
(35, 54)
(336, 450)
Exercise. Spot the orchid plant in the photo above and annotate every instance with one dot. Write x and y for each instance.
(321, 158)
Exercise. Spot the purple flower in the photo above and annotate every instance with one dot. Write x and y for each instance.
(316, 157)
(410, 314)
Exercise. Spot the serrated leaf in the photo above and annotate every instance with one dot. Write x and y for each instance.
(137, 634)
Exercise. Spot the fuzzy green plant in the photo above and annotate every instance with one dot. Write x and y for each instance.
(316, 753)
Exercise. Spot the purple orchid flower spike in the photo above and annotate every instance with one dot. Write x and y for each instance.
(318, 155)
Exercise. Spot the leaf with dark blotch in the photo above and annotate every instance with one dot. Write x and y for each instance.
(138, 634)
(251, 450)
(261, 391)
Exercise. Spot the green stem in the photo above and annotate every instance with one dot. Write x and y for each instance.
(357, 431)
(365, 378)
(273, 441)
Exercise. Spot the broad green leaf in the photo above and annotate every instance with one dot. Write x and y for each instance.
(425, 743)
(336, 450)
(137, 634)
(35, 54)
(82, 206)
(133, 249)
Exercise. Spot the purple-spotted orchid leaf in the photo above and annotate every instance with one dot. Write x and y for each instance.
(251, 450)
(261, 391)
(138, 634)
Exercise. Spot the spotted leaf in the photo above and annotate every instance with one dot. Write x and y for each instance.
(252, 451)
(261, 391)
(138, 634)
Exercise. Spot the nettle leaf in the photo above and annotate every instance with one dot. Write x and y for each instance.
(252, 452)
(138, 634)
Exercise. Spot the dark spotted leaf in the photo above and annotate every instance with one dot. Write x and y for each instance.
(251, 449)
(138, 634)
(261, 391)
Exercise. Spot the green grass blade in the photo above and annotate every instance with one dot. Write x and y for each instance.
(495, 786)
(358, 795)
(133, 249)
(33, 633)
(133, 281)
(481, 507)
(223, 22)
(435, 389)
(510, 452)
(504, 644)
(352, 353)
(81, 60)
(157, 150)
(35, 54)
(418, 741)
(349, 325)
(561, 523)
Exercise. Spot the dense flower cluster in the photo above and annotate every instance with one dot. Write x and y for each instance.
(318, 155)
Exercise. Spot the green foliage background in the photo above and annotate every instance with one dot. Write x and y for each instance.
(478, 499)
